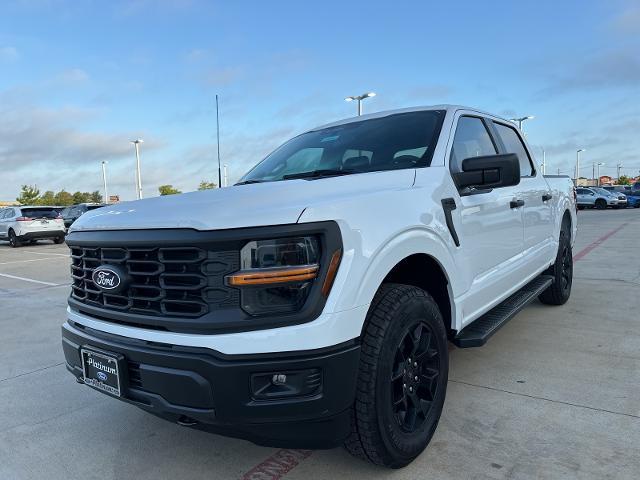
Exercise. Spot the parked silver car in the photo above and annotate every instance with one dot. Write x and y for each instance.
(594, 197)
(621, 197)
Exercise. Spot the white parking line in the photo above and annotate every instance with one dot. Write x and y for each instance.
(32, 260)
(57, 254)
(30, 280)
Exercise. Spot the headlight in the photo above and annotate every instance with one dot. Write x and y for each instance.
(276, 276)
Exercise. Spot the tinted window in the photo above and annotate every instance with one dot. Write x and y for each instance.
(361, 146)
(471, 140)
(93, 207)
(513, 144)
(39, 212)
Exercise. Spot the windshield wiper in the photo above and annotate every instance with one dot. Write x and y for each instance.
(318, 174)
(247, 182)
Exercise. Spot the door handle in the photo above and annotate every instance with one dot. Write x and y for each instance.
(516, 203)
(546, 197)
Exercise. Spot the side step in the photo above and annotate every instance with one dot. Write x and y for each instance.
(480, 330)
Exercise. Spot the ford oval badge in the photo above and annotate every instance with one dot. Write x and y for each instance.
(106, 278)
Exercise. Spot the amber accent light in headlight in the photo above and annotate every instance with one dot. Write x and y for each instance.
(279, 275)
(331, 272)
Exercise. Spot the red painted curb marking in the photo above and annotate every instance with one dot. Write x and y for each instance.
(586, 250)
(277, 465)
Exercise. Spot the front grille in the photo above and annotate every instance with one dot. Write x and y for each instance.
(167, 281)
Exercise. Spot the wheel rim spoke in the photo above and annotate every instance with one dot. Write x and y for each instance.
(414, 377)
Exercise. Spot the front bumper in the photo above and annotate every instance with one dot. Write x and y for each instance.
(216, 392)
(40, 235)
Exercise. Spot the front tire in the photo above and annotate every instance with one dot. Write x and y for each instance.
(601, 204)
(562, 271)
(58, 240)
(402, 379)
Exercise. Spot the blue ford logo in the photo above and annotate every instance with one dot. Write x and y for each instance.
(102, 376)
(108, 278)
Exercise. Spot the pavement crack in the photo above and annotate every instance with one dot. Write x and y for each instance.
(32, 371)
(535, 397)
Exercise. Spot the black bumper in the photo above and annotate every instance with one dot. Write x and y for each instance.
(41, 235)
(226, 394)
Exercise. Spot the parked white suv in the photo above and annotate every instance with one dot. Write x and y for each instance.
(312, 303)
(30, 224)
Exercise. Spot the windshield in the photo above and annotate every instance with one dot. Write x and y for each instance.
(404, 140)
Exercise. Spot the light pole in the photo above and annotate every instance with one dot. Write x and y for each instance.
(598, 181)
(104, 181)
(224, 178)
(544, 161)
(521, 120)
(136, 144)
(618, 167)
(359, 99)
(578, 163)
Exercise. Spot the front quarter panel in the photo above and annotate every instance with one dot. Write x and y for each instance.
(379, 230)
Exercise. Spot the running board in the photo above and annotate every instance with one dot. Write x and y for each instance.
(480, 330)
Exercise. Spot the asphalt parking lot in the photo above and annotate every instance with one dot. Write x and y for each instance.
(554, 394)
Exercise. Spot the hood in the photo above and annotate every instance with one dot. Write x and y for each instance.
(253, 205)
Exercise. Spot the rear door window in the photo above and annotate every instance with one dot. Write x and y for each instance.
(513, 144)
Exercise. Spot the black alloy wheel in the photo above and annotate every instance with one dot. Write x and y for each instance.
(414, 380)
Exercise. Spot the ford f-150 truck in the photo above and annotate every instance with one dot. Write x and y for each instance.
(312, 304)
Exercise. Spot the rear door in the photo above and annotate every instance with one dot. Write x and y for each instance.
(5, 215)
(536, 195)
(491, 233)
(585, 197)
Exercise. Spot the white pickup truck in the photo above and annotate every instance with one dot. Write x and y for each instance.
(312, 303)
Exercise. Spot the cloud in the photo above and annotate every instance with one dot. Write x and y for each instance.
(628, 21)
(72, 76)
(604, 70)
(8, 53)
(196, 55)
(221, 77)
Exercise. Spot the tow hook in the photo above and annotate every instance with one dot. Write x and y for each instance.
(186, 421)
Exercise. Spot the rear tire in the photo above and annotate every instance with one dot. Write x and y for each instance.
(562, 271)
(13, 239)
(402, 379)
(601, 204)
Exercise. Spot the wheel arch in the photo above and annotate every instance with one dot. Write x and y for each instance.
(419, 258)
(425, 272)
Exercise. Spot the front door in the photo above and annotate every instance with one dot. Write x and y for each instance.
(491, 225)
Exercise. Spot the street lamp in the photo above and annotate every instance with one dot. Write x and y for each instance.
(520, 120)
(137, 143)
(598, 181)
(360, 98)
(544, 161)
(104, 181)
(578, 163)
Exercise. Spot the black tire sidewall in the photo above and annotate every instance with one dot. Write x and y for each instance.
(13, 239)
(406, 446)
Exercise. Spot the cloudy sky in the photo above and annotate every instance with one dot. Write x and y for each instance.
(79, 79)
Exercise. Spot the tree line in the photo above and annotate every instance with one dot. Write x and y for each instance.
(170, 190)
(30, 195)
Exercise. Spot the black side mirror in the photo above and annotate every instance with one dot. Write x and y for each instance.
(489, 171)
